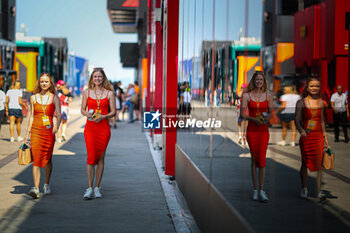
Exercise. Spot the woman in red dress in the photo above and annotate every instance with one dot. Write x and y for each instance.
(96, 101)
(309, 120)
(41, 130)
(260, 106)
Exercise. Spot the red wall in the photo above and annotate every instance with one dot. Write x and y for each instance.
(336, 35)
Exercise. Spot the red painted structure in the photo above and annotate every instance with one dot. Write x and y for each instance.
(321, 45)
(156, 78)
(158, 101)
(171, 83)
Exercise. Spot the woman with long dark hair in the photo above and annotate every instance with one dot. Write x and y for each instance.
(260, 106)
(96, 100)
(41, 130)
(309, 120)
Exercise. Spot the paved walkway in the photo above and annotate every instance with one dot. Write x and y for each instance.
(133, 200)
(228, 168)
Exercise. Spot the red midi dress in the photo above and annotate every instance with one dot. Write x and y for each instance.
(97, 135)
(312, 146)
(42, 139)
(258, 135)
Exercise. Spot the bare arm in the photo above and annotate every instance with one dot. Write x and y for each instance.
(84, 104)
(7, 105)
(299, 117)
(323, 125)
(332, 105)
(57, 104)
(31, 118)
(21, 103)
(244, 105)
(283, 106)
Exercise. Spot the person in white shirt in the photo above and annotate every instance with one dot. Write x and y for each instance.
(2, 105)
(287, 113)
(14, 106)
(187, 99)
(339, 103)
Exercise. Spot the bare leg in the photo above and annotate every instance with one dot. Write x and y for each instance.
(100, 169)
(36, 176)
(253, 167)
(319, 180)
(48, 171)
(303, 174)
(18, 121)
(12, 125)
(294, 131)
(244, 129)
(64, 127)
(262, 171)
(284, 130)
(240, 129)
(59, 132)
(90, 173)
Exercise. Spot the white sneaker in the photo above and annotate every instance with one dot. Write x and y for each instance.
(19, 139)
(245, 142)
(292, 144)
(303, 193)
(59, 140)
(97, 192)
(263, 196)
(255, 195)
(281, 143)
(240, 140)
(47, 190)
(321, 196)
(34, 193)
(88, 194)
(12, 139)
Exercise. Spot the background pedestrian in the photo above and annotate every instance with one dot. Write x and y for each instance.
(339, 103)
(287, 113)
(13, 107)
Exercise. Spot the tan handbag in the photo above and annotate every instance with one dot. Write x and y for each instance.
(24, 155)
(328, 160)
(135, 98)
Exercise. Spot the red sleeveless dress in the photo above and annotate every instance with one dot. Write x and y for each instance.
(312, 146)
(97, 135)
(258, 135)
(42, 140)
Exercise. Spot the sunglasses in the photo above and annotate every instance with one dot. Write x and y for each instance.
(98, 68)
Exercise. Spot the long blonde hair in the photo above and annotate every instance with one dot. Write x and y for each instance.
(251, 85)
(106, 84)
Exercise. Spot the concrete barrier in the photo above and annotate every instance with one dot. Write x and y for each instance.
(209, 208)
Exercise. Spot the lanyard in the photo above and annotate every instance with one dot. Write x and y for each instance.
(313, 111)
(42, 104)
(258, 100)
(98, 100)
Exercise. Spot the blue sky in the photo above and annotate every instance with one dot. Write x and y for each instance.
(226, 26)
(89, 32)
(85, 24)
